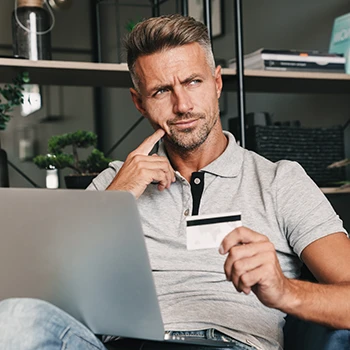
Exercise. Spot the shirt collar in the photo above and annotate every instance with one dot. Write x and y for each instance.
(228, 164)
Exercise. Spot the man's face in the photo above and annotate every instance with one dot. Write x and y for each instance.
(178, 93)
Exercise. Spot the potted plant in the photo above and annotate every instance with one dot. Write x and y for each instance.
(10, 96)
(84, 170)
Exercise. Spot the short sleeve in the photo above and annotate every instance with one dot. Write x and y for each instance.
(304, 211)
(103, 180)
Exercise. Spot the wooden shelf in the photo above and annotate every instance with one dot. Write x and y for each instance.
(289, 82)
(116, 75)
(70, 73)
(335, 190)
(67, 73)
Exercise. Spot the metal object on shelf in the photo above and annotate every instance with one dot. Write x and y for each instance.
(31, 30)
(155, 8)
(240, 70)
(207, 16)
(184, 7)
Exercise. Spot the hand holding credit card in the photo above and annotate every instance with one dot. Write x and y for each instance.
(208, 231)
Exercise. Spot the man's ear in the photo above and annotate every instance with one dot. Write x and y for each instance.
(136, 98)
(218, 81)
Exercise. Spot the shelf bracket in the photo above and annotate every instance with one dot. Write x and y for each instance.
(207, 17)
(240, 70)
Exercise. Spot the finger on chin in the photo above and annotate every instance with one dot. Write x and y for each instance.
(148, 144)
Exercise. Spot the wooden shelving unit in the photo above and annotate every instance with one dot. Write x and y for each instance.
(67, 73)
(116, 75)
(70, 73)
(290, 82)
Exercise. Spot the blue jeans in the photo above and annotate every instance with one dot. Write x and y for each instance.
(31, 324)
(28, 324)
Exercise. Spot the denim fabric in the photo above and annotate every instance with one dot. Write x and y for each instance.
(30, 324)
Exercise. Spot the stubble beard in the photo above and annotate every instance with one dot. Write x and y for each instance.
(190, 139)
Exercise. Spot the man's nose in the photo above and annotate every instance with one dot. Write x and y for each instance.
(182, 102)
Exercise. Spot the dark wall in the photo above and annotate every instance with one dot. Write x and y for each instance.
(341, 204)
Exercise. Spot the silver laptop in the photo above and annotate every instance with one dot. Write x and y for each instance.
(83, 251)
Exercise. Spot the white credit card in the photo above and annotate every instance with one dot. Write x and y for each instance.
(208, 231)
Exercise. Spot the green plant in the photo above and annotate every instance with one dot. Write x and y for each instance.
(56, 158)
(130, 24)
(11, 96)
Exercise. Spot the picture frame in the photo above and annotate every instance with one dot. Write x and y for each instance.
(196, 10)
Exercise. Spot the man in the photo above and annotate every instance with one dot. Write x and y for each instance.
(241, 293)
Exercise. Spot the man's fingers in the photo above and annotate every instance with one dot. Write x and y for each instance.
(240, 235)
(154, 169)
(246, 273)
(155, 162)
(235, 269)
(250, 279)
(242, 251)
(139, 169)
(147, 145)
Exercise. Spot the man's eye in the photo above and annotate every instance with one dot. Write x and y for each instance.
(195, 82)
(160, 92)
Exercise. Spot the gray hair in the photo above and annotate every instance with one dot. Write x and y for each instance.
(165, 32)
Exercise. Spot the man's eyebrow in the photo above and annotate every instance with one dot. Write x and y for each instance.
(159, 87)
(190, 78)
(169, 86)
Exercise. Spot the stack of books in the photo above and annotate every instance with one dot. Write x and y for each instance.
(293, 60)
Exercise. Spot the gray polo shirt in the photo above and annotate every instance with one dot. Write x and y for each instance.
(276, 199)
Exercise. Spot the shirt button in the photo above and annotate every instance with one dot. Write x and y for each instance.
(187, 211)
(197, 181)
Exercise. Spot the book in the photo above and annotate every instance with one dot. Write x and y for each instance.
(340, 38)
(297, 66)
(293, 60)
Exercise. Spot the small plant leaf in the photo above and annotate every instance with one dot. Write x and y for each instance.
(12, 93)
(58, 158)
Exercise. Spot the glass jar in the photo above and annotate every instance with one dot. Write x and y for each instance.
(30, 30)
